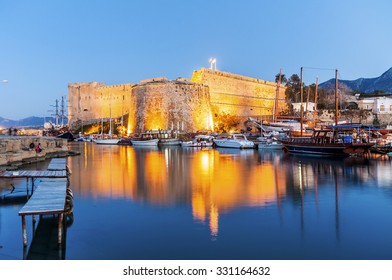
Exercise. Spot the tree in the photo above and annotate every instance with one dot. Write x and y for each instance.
(283, 79)
(293, 88)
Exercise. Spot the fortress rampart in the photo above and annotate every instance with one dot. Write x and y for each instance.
(183, 104)
(239, 95)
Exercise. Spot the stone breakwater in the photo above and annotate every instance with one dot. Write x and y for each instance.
(19, 150)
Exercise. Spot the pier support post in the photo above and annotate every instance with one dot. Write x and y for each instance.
(60, 228)
(24, 234)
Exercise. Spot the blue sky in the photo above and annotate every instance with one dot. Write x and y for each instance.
(46, 44)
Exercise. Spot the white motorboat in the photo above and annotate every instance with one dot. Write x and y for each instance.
(237, 140)
(199, 141)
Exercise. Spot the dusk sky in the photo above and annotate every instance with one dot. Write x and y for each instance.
(46, 44)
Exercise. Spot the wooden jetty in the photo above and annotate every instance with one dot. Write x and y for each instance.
(33, 174)
(50, 196)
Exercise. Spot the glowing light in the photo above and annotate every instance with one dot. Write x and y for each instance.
(212, 62)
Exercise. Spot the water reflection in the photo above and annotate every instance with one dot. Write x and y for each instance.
(212, 181)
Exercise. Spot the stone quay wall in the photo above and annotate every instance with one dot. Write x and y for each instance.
(15, 150)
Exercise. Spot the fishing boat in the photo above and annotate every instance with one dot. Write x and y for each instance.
(236, 140)
(327, 142)
(199, 141)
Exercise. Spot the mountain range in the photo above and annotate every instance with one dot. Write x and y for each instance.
(365, 85)
(27, 122)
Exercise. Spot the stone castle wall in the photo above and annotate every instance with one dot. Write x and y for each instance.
(95, 101)
(171, 105)
(183, 104)
(239, 95)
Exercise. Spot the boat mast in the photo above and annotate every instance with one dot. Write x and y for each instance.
(110, 116)
(302, 97)
(275, 113)
(315, 95)
(336, 98)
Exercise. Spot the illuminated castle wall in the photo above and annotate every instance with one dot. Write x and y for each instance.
(182, 104)
(239, 95)
(179, 105)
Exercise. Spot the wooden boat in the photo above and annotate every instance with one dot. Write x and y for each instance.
(236, 140)
(329, 142)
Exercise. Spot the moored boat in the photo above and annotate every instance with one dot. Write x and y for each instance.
(169, 142)
(236, 140)
(270, 145)
(328, 142)
(144, 142)
(107, 141)
(199, 141)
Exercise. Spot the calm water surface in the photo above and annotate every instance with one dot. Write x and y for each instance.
(175, 203)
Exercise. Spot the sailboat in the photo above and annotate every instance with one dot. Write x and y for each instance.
(109, 140)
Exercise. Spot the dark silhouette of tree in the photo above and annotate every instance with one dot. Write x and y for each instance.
(293, 88)
(283, 79)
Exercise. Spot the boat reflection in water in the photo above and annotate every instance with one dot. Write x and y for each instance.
(174, 203)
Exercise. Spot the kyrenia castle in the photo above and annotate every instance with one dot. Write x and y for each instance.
(185, 105)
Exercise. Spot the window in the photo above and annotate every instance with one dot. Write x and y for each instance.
(382, 108)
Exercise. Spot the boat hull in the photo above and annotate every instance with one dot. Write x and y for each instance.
(169, 142)
(272, 146)
(107, 141)
(144, 143)
(226, 143)
(338, 149)
(191, 144)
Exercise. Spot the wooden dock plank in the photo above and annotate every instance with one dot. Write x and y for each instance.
(34, 174)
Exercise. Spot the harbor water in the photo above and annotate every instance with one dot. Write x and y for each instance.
(175, 203)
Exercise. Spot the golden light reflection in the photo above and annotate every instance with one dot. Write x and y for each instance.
(212, 182)
(214, 220)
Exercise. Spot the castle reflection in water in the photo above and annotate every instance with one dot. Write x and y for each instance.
(214, 181)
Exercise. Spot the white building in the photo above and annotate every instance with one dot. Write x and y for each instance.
(378, 105)
(307, 107)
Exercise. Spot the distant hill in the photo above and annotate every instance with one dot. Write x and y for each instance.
(365, 85)
(28, 122)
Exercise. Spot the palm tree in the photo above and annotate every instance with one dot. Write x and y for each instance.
(283, 79)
